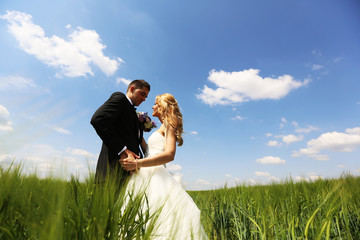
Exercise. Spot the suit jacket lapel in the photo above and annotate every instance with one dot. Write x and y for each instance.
(137, 124)
(137, 128)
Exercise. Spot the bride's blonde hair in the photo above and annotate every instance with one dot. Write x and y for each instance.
(170, 114)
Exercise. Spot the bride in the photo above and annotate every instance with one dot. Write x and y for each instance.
(179, 217)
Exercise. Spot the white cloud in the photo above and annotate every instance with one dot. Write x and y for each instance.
(283, 122)
(268, 134)
(311, 153)
(270, 160)
(306, 130)
(5, 123)
(317, 52)
(202, 182)
(194, 133)
(178, 177)
(123, 81)
(353, 131)
(266, 175)
(300, 178)
(62, 130)
(337, 141)
(314, 177)
(73, 57)
(341, 166)
(288, 139)
(338, 59)
(5, 157)
(246, 85)
(252, 181)
(237, 118)
(230, 181)
(80, 152)
(273, 178)
(346, 141)
(317, 67)
(173, 167)
(262, 174)
(16, 83)
(273, 143)
(46, 160)
(292, 138)
(295, 124)
(310, 177)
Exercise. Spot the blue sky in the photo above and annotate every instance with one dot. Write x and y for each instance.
(268, 89)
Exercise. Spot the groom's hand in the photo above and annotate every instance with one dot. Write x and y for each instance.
(128, 154)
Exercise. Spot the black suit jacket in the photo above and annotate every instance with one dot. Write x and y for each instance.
(117, 125)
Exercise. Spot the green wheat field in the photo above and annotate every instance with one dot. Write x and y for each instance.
(51, 208)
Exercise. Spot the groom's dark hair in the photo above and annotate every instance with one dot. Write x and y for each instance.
(139, 84)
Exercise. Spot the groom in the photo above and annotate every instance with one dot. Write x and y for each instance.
(117, 124)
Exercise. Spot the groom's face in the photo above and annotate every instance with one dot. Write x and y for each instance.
(139, 95)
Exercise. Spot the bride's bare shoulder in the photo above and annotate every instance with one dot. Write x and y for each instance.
(161, 132)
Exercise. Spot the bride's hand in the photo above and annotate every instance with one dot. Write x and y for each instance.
(129, 164)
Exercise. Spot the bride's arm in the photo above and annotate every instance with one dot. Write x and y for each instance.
(166, 156)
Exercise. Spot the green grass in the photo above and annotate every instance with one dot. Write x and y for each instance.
(323, 209)
(34, 208)
(51, 208)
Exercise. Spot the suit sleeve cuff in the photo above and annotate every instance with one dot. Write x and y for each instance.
(122, 150)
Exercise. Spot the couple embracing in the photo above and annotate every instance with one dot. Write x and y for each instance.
(126, 155)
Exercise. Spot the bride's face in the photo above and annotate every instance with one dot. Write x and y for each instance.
(155, 110)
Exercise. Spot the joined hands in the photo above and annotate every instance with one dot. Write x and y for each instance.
(128, 161)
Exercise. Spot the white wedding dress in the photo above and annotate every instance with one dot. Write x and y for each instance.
(179, 216)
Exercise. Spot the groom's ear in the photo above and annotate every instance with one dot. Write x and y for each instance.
(131, 89)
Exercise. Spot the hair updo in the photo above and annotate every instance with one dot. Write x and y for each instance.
(170, 114)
